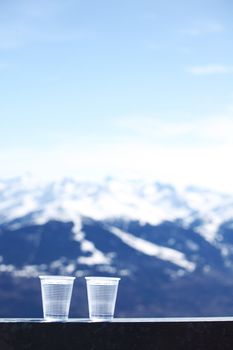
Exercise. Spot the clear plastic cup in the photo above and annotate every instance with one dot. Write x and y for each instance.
(56, 296)
(101, 294)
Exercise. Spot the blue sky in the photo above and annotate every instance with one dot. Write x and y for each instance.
(123, 88)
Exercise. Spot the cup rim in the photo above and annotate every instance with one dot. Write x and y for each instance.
(101, 278)
(56, 277)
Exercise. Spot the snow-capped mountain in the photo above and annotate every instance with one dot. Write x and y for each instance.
(146, 202)
(153, 235)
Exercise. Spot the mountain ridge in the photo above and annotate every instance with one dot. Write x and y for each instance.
(147, 202)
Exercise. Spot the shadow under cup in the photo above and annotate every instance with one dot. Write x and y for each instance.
(56, 296)
(102, 294)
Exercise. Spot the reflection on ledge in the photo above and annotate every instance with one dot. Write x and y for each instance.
(131, 334)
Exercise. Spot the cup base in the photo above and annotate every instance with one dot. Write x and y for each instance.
(55, 318)
(101, 318)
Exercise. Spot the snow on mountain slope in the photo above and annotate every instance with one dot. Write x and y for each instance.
(147, 202)
(151, 249)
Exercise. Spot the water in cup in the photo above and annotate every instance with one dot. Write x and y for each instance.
(56, 296)
(101, 293)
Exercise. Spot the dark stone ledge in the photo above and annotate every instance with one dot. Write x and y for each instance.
(120, 334)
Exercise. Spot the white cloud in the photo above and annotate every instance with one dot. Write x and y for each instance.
(153, 126)
(210, 69)
(206, 131)
(204, 27)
